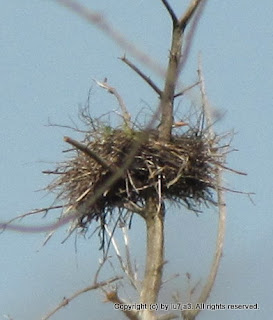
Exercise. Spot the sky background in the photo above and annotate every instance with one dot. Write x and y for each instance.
(48, 60)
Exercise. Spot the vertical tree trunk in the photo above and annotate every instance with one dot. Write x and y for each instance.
(154, 218)
(166, 103)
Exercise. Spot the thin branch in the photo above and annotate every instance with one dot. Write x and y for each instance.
(183, 91)
(190, 34)
(66, 301)
(101, 23)
(88, 152)
(132, 274)
(170, 10)
(124, 267)
(184, 20)
(191, 314)
(112, 90)
(142, 75)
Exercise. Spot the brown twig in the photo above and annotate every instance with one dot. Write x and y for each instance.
(187, 15)
(66, 301)
(170, 10)
(190, 34)
(142, 75)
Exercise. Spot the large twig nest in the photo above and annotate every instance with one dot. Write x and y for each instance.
(181, 171)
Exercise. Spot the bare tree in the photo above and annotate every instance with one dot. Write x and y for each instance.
(119, 172)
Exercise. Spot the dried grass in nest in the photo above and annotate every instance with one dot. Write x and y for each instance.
(182, 171)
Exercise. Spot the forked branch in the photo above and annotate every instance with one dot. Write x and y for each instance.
(174, 68)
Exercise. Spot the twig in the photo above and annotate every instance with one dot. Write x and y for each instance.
(184, 20)
(132, 274)
(88, 152)
(66, 301)
(124, 267)
(112, 90)
(183, 91)
(170, 10)
(190, 33)
(191, 314)
(142, 75)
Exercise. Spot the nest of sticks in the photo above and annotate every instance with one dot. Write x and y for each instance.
(182, 171)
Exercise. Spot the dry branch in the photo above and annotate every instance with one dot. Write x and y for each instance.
(66, 301)
(187, 15)
(170, 10)
(142, 75)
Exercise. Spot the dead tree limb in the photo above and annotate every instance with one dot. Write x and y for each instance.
(66, 301)
(142, 75)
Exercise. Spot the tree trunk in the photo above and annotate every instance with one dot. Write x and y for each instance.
(154, 218)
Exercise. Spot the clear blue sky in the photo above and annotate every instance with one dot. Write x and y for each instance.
(48, 59)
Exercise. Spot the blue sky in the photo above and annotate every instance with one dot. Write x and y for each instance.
(48, 59)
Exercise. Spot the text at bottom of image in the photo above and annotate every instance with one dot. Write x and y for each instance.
(182, 306)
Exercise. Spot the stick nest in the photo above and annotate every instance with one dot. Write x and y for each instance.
(182, 171)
